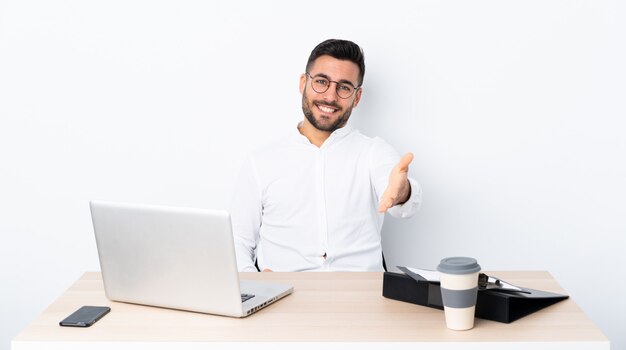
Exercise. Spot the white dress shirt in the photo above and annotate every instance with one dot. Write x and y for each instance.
(298, 207)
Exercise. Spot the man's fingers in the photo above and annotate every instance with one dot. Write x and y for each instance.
(406, 159)
(385, 203)
(382, 208)
(381, 205)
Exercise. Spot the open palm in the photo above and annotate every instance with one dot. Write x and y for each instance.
(398, 190)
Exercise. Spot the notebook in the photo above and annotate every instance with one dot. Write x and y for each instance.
(178, 258)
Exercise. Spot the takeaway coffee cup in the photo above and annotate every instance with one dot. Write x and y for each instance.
(459, 288)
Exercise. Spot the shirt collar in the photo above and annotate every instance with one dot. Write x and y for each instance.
(334, 136)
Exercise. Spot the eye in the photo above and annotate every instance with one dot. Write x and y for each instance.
(344, 87)
(322, 81)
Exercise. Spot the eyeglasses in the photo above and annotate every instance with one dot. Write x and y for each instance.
(321, 84)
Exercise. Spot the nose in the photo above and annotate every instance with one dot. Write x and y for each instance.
(330, 94)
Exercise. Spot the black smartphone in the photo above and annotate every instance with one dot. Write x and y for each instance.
(85, 316)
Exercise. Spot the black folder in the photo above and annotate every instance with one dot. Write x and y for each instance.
(492, 305)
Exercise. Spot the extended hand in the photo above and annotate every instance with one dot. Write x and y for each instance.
(398, 190)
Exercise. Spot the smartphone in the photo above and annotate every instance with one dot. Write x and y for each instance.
(85, 316)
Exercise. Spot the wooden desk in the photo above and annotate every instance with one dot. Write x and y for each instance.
(327, 310)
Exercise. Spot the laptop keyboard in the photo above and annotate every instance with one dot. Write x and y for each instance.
(245, 297)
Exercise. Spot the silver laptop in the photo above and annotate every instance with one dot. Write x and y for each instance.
(177, 258)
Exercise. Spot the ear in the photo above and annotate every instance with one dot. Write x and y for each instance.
(302, 83)
(357, 98)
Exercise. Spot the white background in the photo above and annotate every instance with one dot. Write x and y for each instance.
(514, 110)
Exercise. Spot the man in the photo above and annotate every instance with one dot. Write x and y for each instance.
(315, 201)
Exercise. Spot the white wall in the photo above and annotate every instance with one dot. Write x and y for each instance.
(514, 110)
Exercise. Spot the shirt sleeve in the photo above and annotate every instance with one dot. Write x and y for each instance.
(382, 160)
(246, 209)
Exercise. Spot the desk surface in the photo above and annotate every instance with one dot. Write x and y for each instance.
(338, 309)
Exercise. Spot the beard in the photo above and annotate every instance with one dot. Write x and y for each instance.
(321, 123)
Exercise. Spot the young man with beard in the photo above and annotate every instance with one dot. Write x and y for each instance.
(315, 201)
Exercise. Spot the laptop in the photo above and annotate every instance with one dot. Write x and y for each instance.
(177, 258)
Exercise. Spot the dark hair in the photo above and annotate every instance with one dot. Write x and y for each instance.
(341, 50)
